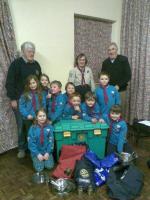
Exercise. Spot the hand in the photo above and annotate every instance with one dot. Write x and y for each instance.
(75, 117)
(48, 96)
(117, 87)
(30, 117)
(46, 156)
(14, 104)
(40, 157)
(94, 120)
(77, 108)
(48, 121)
(101, 121)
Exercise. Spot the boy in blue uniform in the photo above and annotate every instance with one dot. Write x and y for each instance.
(107, 95)
(41, 142)
(90, 109)
(72, 109)
(56, 102)
(118, 132)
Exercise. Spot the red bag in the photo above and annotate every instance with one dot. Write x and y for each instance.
(66, 164)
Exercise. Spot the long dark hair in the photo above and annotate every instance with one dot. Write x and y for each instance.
(27, 88)
(45, 75)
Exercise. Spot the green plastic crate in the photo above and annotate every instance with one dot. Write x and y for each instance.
(70, 132)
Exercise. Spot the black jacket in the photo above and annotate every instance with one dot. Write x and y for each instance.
(119, 71)
(18, 71)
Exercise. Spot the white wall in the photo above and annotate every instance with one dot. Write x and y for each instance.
(50, 25)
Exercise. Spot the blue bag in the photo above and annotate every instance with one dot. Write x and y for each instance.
(100, 176)
(106, 162)
(109, 161)
(92, 157)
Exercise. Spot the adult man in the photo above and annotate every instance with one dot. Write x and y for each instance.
(18, 71)
(117, 66)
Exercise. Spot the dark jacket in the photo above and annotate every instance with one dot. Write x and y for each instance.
(119, 71)
(18, 71)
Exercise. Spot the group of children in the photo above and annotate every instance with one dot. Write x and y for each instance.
(42, 104)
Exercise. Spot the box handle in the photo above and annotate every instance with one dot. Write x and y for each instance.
(67, 133)
(97, 132)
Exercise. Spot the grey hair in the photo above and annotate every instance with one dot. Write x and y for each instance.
(113, 44)
(27, 45)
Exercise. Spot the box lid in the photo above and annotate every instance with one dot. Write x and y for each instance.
(73, 125)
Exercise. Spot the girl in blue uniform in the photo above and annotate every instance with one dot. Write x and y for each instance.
(107, 95)
(70, 89)
(90, 109)
(117, 141)
(30, 101)
(41, 142)
(72, 109)
(45, 84)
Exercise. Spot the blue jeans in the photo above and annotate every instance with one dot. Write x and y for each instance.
(40, 165)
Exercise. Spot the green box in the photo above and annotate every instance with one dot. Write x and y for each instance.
(68, 132)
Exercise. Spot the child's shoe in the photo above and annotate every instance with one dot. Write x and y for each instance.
(21, 154)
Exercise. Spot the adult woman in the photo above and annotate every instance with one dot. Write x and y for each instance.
(82, 76)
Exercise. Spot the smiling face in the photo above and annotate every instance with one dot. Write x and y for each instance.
(75, 101)
(70, 89)
(112, 52)
(55, 88)
(104, 79)
(44, 81)
(82, 61)
(41, 117)
(115, 116)
(33, 84)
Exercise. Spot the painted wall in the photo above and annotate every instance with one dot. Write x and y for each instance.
(50, 25)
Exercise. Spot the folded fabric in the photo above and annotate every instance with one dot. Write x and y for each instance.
(66, 164)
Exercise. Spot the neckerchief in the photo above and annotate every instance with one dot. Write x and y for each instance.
(82, 75)
(33, 100)
(105, 93)
(53, 102)
(42, 133)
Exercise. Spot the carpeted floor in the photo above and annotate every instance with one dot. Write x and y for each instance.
(16, 178)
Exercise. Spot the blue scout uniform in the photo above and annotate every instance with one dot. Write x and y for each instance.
(112, 95)
(88, 113)
(31, 104)
(55, 107)
(66, 98)
(69, 111)
(41, 141)
(117, 132)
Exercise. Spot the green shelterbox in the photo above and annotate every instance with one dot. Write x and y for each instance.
(68, 132)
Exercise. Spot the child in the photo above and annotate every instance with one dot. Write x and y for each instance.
(41, 142)
(72, 109)
(45, 84)
(118, 132)
(56, 102)
(70, 89)
(91, 109)
(30, 101)
(107, 95)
